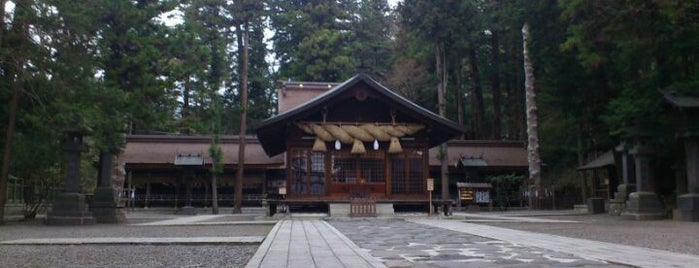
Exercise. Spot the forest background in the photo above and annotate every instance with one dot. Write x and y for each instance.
(117, 67)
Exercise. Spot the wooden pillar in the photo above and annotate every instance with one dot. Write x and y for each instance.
(130, 198)
(145, 202)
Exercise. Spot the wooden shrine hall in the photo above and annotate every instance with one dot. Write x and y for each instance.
(329, 143)
(357, 140)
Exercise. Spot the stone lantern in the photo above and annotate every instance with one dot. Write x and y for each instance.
(104, 204)
(687, 123)
(643, 203)
(69, 207)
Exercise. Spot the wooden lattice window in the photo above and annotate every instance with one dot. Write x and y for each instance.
(351, 168)
(372, 167)
(307, 171)
(344, 167)
(408, 172)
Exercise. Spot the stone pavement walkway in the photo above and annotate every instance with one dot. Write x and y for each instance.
(403, 243)
(614, 253)
(309, 243)
(431, 242)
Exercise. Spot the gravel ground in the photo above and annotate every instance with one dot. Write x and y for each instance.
(126, 255)
(11, 232)
(675, 236)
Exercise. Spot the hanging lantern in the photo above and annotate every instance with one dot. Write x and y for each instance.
(376, 144)
(338, 145)
(395, 147)
(319, 146)
(358, 147)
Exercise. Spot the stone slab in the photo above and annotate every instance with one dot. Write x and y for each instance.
(182, 220)
(339, 209)
(385, 210)
(495, 218)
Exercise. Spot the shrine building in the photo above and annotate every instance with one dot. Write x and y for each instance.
(328, 144)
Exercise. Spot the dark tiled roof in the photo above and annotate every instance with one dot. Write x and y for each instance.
(606, 159)
(681, 101)
(272, 132)
(495, 154)
(474, 185)
(163, 149)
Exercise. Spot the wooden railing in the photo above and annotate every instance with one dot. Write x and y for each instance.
(362, 207)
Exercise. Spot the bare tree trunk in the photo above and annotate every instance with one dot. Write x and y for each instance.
(477, 107)
(7, 153)
(2, 21)
(441, 101)
(9, 132)
(458, 96)
(532, 125)
(581, 161)
(243, 118)
(512, 84)
(495, 83)
(214, 194)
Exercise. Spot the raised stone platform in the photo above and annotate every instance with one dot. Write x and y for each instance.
(644, 206)
(69, 209)
(688, 205)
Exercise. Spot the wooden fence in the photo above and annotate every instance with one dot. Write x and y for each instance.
(362, 207)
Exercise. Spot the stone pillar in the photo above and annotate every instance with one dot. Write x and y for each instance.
(105, 206)
(69, 207)
(628, 180)
(626, 186)
(688, 203)
(643, 204)
(686, 114)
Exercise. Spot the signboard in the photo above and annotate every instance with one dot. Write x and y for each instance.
(466, 194)
(282, 190)
(430, 184)
(482, 196)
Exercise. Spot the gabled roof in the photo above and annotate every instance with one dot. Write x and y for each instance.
(604, 160)
(272, 132)
(680, 101)
(493, 153)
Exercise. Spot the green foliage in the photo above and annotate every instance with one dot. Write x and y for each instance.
(114, 66)
(326, 40)
(507, 189)
(132, 47)
(217, 158)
